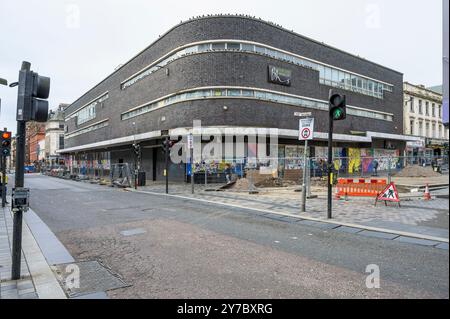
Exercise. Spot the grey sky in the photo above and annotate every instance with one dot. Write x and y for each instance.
(77, 53)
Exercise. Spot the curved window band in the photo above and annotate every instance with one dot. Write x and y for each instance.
(328, 75)
(243, 93)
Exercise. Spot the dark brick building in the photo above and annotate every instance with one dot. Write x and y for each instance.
(202, 65)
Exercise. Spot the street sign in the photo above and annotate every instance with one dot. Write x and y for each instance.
(389, 194)
(306, 129)
(302, 114)
(190, 141)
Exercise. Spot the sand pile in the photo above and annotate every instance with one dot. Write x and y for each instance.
(416, 171)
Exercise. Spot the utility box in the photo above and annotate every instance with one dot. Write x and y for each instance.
(141, 178)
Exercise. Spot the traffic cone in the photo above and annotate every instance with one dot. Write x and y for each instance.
(427, 195)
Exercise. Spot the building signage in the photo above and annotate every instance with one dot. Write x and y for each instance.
(416, 144)
(279, 75)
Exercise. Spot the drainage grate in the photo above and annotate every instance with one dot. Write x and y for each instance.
(93, 277)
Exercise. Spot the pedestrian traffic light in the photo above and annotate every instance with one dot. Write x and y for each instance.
(33, 92)
(337, 107)
(6, 143)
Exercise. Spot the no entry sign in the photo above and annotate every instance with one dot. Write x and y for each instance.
(306, 129)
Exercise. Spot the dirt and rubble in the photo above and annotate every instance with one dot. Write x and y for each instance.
(417, 171)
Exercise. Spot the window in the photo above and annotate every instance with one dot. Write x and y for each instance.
(247, 93)
(411, 126)
(61, 126)
(327, 73)
(439, 111)
(427, 129)
(411, 109)
(426, 108)
(334, 75)
(231, 92)
(218, 46)
(433, 111)
(61, 141)
(433, 133)
(248, 47)
(219, 92)
(421, 128)
(204, 47)
(420, 107)
(260, 50)
(321, 72)
(233, 46)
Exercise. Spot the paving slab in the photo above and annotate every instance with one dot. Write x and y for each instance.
(95, 295)
(442, 246)
(347, 229)
(370, 233)
(317, 224)
(416, 241)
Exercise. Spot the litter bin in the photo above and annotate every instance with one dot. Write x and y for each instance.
(141, 179)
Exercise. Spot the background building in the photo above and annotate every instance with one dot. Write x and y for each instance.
(236, 72)
(35, 132)
(423, 117)
(54, 135)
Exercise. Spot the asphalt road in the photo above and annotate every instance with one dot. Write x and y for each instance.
(187, 249)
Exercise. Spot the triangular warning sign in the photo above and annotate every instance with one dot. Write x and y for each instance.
(389, 193)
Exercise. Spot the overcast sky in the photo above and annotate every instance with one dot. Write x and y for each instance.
(79, 42)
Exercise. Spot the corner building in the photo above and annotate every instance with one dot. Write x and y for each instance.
(202, 65)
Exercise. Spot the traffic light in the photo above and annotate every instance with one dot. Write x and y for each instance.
(167, 144)
(337, 107)
(136, 148)
(33, 92)
(6, 143)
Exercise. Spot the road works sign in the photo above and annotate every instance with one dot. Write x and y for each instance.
(389, 194)
(306, 129)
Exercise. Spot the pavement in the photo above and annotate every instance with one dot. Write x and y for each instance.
(37, 278)
(149, 245)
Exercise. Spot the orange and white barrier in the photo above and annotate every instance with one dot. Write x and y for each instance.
(360, 187)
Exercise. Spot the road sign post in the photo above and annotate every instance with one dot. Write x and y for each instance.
(190, 144)
(306, 132)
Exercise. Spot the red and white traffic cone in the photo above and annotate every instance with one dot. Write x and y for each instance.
(426, 194)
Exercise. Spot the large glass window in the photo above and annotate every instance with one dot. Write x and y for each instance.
(248, 93)
(327, 75)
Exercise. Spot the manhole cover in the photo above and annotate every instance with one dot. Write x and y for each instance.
(86, 277)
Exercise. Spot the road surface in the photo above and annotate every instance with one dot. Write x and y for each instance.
(167, 247)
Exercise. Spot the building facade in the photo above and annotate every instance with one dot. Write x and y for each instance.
(237, 72)
(35, 132)
(423, 118)
(54, 136)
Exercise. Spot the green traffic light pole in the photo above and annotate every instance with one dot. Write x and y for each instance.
(330, 157)
(336, 112)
